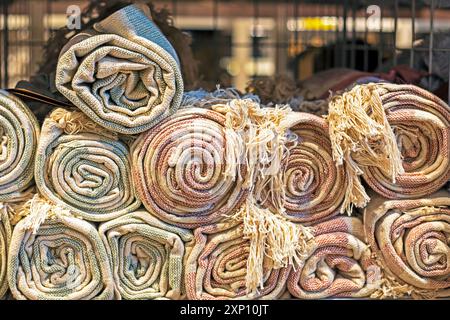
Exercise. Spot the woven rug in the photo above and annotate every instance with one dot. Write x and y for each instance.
(410, 240)
(5, 239)
(146, 256)
(216, 267)
(19, 133)
(315, 186)
(339, 264)
(124, 74)
(178, 169)
(55, 256)
(84, 168)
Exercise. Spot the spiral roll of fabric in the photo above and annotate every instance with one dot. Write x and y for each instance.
(55, 256)
(178, 169)
(146, 256)
(217, 265)
(339, 264)
(5, 239)
(124, 74)
(19, 133)
(410, 239)
(315, 186)
(421, 124)
(84, 168)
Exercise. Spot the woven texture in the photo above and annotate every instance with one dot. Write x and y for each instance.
(178, 169)
(84, 168)
(314, 184)
(410, 239)
(19, 133)
(124, 74)
(421, 123)
(5, 239)
(146, 256)
(57, 257)
(339, 265)
(217, 266)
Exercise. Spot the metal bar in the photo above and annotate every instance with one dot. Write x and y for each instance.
(413, 32)
(297, 70)
(381, 39)
(216, 40)
(353, 50)
(5, 52)
(344, 35)
(395, 32)
(430, 51)
(366, 48)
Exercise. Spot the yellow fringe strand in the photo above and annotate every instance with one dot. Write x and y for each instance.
(361, 136)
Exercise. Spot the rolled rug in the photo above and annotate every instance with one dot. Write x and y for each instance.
(55, 256)
(5, 239)
(395, 136)
(179, 169)
(410, 240)
(124, 74)
(421, 124)
(315, 186)
(84, 168)
(338, 265)
(146, 256)
(19, 134)
(216, 267)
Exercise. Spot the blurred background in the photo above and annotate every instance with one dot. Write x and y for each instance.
(236, 41)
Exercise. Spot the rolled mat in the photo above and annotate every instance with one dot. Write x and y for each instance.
(338, 265)
(395, 136)
(410, 240)
(146, 256)
(19, 133)
(178, 169)
(124, 74)
(55, 256)
(84, 168)
(421, 124)
(5, 239)
(217, 265)
(315, 186)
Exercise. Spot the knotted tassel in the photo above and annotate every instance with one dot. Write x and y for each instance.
(361, 136)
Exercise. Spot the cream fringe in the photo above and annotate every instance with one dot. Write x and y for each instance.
(259, 138)
(361, 136)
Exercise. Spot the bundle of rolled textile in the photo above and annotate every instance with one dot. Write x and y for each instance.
(55, 256)
(216, 267)
(19, 131)
(339, 264)
(83, 167)
(178, 169)
(146, 256)
(123, 73)
(395, 136)
(410, 241)
(315, 186)
(5, 239)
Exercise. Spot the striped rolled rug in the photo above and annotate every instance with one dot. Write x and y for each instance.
(84, 168)
(396, 137)
(411, 241)
(314, 185)
(56, 256)
(19, 134)
(216, 267)
(123, 73)
(179, 169)
(339, 264)
(5, 239)
(146, 256)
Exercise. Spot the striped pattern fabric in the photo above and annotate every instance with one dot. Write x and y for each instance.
(19, 134)
(315, 186)
(124, 74)
(217, 264)
(146, 256)
(5, 239)
(410, 239)
(421, 123)
(339, 265)
(84, 168)
(55, 256)
(178, 169)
